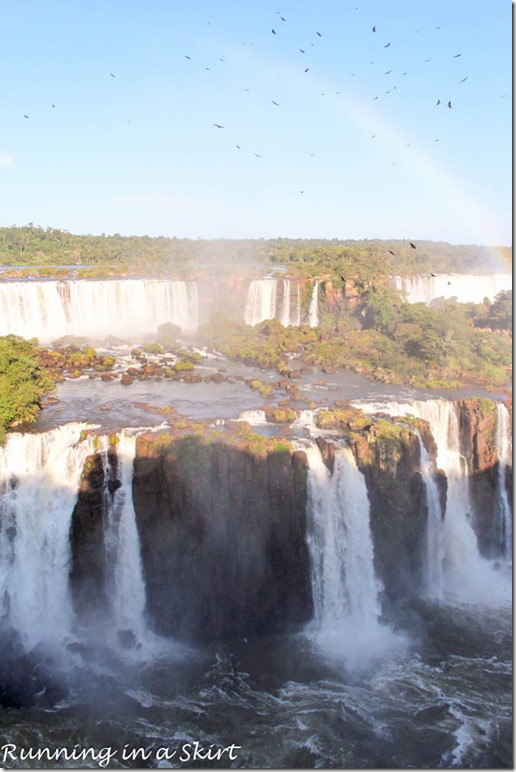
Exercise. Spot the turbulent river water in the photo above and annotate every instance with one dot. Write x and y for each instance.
(362, 686)
(443, 700)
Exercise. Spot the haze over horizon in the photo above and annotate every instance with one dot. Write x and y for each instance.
(350, 120)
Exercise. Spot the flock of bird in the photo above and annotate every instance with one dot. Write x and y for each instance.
(276, 32)
(307, 69)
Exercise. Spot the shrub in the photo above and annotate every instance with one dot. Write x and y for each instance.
(23, 381)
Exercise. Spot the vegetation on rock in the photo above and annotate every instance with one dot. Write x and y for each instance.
(380, 336)
(23, 382)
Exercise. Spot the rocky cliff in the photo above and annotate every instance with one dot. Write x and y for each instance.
(223, 534)
(477, 422)
(221, 514)
(388, 454)
(87, 576)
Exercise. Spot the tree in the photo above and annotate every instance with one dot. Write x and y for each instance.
(22, 382)
(500, 314)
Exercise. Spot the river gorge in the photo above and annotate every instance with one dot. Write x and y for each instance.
(191, 575)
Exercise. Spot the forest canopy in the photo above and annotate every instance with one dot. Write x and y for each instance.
(32, 245)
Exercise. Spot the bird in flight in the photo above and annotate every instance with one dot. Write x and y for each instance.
(218, 126)
(113, 76)
(449, 105)
(391, 252)
(257, 156)
(463, 79)
(318, 33)
(438, 102)
(457, 56)
(273, 31)
(25, 116)
(275, 103)
(412, 245)
(302, 51)
(387, 45)
(374, 29)
(307, 69)
(187, 57)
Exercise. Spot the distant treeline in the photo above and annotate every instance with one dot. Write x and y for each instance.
(32, 245)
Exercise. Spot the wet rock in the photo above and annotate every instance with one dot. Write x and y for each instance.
(327, 450)
(26, 679)
(223, 537)
(126, 639)
(47, 401)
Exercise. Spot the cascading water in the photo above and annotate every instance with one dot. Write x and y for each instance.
(347, 624)
(126, 588)
(50, 309)
(296, 321)
(261, 301)
(466, 288)
(313, 311)
(467, 575)
(39, 480)
(271, 299)
(284, 315)
(435, 537)
(503, 515)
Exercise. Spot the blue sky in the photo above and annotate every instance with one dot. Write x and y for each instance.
(356, 147)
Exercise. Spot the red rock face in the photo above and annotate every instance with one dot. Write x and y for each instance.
(477, 420)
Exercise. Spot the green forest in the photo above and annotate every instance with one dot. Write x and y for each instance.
(386, 338)
(104, 255)
(379, 335)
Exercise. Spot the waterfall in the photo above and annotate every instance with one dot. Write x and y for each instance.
(96, 308)
(503, 516)
(271, 299)
(313, 311)
(467, 575)
(40, 477)
(466, 288)
(253, 417)
(296, 319)
(261, 301)
(284, 315)
(435, 538)
(39, 480)
(126, 587)
(347, 623)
